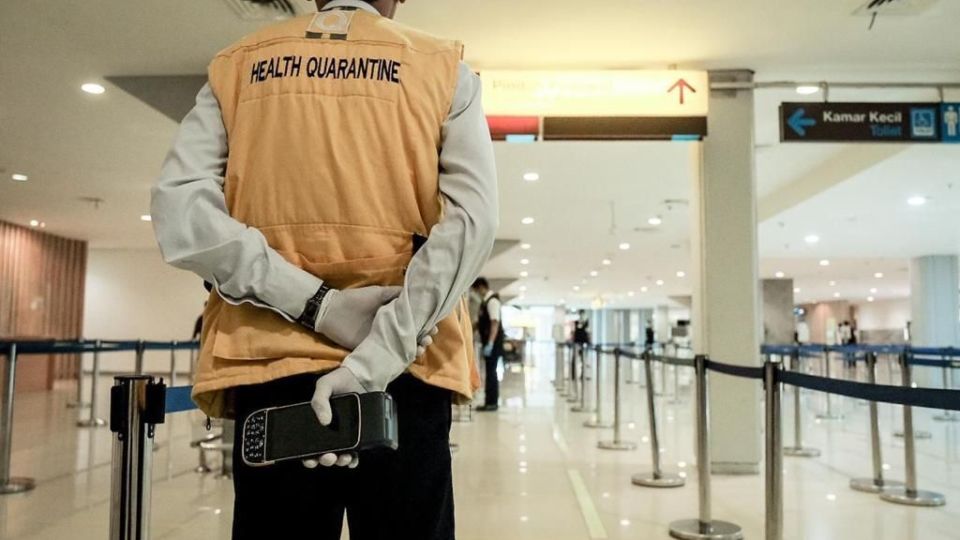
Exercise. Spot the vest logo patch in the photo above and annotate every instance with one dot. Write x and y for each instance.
(331, 22)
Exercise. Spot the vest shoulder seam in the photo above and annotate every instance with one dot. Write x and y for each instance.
(450, 46)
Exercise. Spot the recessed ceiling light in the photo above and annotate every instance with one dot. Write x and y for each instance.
(20, 177)
(594, 273)
(655, 221)
(34, 222)
(527, 221)
(525, 246)
(824, 262)
(624, 246)
(833, 283)
(524, 261)
(644, 289)
(93, 88)
(873, 290)
(607, 262)
(576, 287)
(523, 288)
(917, 200)
(659, 283)
(870, 299)
(146, 217)
(807, 89)
(524, 274)
(531, 176)
(681, 273)
(631, 293)
(796, 290)
(811, 239)
(836, 295)
(878, 275)
(779, 274)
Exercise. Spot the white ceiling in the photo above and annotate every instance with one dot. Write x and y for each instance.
(74, 145)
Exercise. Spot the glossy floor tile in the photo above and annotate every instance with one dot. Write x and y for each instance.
(529, 471)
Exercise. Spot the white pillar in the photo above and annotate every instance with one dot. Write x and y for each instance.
(779, 322)
(934, 306)
(661, 324)
(725, 314)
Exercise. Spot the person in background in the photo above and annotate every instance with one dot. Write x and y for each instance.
(650, 337)
(491, 339)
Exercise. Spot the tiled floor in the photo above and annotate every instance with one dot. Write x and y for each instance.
(530, 471)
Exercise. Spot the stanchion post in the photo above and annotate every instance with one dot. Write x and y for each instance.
(657, 478)
(582, 406)
(138, 368)
(829, 415)
(79, 404)
(876, 484)
(173, 363)
(909, 494)
(947, 416)
(597, 420)
(94, 421)
(616, 443)
(572, 395)
(704, 527)
(773, 496)
(8, 484)
(798, 450)
(134, 409)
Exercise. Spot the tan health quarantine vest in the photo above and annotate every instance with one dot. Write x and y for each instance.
(333, 124)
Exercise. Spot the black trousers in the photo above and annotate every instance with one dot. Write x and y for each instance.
(491, 387)
(403, 494)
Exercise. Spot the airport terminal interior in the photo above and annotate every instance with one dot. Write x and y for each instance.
(728, 259)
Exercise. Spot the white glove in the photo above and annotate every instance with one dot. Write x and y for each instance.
(346, 316)
(338, 381)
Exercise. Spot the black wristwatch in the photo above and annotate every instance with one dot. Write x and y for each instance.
(309, 316)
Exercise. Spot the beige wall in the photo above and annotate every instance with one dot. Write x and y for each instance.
(823, 319)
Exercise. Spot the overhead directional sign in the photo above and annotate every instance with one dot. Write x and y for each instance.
(862, 122)
(615, 93)
(609, 105)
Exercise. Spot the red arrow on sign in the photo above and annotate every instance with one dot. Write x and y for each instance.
(682, 85)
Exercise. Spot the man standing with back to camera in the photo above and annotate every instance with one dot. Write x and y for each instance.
(335, 182)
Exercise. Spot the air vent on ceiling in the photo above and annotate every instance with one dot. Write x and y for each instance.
(262, 10)
(893, 7)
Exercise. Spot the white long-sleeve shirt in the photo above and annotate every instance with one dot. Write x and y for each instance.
(196, 232)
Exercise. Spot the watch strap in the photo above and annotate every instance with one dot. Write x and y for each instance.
(312, 308)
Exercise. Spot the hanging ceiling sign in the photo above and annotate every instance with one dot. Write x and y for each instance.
(620, 104)
(595, 93)
(863, 122)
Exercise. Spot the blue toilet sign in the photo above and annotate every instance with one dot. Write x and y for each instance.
(950, 122)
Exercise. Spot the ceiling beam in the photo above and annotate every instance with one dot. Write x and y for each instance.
(851, 161)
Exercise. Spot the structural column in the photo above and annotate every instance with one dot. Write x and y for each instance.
(726, 314)
(661, 324)
(778, 320)
(934, 303)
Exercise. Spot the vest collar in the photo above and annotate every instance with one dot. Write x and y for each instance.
(359, 4)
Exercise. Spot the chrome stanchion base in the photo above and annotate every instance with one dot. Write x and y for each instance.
(572, 398)
(17, 485)
(617, 445)
(916, 434)
(97, 422)
(202, 469)
(913, 498)
(595, 423)
(662, 480)
(870, 485)
(829, 416)
(947, 417)
(800, 451)
(694, 529)
(578, 408)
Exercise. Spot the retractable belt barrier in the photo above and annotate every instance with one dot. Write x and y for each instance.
(773, 376)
